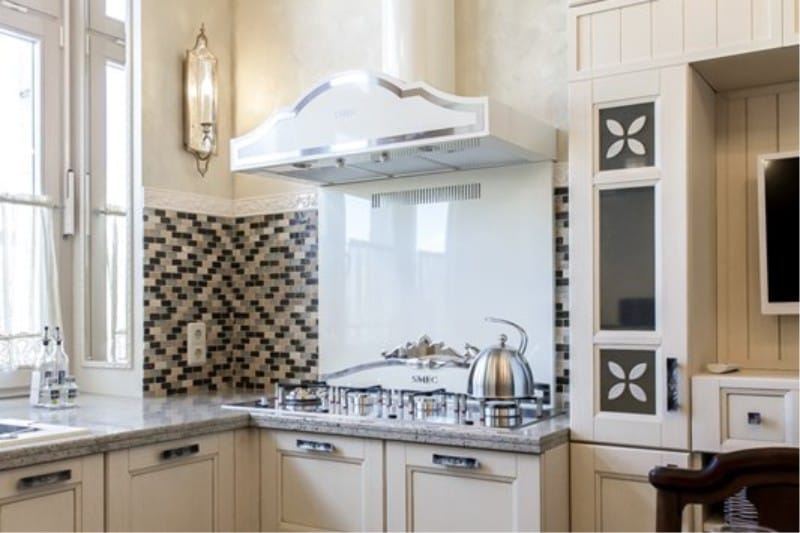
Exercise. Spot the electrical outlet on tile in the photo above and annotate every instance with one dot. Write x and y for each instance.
(196, 343)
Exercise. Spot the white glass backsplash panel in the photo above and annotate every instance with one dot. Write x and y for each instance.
(390, 274)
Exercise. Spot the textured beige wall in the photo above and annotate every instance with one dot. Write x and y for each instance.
(512, 50)
(169, 27)
(283, 47)
(515, 51)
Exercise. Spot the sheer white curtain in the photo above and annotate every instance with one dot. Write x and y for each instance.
(29, 297)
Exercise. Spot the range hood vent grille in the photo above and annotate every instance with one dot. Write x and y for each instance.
(428, 195)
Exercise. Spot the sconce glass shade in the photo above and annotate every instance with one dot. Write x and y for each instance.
(200, 102)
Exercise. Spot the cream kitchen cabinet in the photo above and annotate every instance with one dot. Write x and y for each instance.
(442, 488)
(748, 409)
(642, 242)
(615, 36)
(58, 496)
(183, 485)
(312, 481)
(610, 489)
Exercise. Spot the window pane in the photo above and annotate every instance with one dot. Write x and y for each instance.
(27, 271)
(116, 9)
(19, 109)
(116, 136)
(627, 259)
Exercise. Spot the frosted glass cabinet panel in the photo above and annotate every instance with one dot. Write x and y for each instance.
(627, 259)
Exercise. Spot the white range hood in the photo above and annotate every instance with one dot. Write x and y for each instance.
(362, 126)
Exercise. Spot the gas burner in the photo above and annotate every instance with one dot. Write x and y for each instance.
(301, 397)
(433, 406)
(502, 414)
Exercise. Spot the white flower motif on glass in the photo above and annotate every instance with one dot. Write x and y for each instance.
(634, 145)
(627, 381)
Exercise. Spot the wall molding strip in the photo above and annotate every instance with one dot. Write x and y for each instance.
(156, 198)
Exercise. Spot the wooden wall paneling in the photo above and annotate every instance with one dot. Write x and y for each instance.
(788, 141)
(722, 226)
(734, 22)
(700, 25)
(667, 28)
(735, 268)
(606, 38)
(636, 37)
(762, 137)
(701, 194)
(766, 21)
(583, 46)
(791, 25)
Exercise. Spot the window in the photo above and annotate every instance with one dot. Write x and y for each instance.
(31, 159)
(107, 239)
(37, 147)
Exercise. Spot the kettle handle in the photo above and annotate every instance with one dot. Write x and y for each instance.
(523, 343)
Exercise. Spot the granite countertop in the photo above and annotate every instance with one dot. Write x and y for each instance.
(118, 423)
(535, 438)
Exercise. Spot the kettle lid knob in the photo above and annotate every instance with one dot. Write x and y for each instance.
(503, 339)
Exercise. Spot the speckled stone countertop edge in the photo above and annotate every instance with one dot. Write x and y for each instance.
(548, 434)
(71, 448)
(118, 423)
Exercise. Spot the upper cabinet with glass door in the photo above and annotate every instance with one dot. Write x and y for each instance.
(631, 244)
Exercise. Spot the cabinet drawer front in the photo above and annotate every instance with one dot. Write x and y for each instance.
(453, 459)
(320, 444)
(755, 416)
(40, 477)
(176, 450)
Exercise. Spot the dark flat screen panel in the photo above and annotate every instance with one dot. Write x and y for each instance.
(781, 192)
(627, 259)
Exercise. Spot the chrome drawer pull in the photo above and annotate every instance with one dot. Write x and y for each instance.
(314, 446)
(184, 451)
(754, 418)
(42, 480)
(452, 461)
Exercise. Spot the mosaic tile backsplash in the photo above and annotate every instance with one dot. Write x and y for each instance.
(262, 328)
(267, 318)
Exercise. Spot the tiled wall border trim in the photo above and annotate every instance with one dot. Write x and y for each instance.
(187, 202)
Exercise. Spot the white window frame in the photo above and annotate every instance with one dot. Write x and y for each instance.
(41, 19)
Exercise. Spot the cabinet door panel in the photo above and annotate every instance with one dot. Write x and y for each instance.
(610, 488)
(53, 501)
(179, 498)
(46, 512)
(315, 482)
(447, 502)
(185, 485)
(321, 493)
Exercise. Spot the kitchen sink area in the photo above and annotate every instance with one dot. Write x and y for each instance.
(17, 432)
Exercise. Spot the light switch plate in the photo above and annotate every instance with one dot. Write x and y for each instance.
(196, 343)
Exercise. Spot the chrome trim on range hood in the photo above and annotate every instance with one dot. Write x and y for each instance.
(362, 126)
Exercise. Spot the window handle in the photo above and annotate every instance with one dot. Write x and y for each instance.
(69, 204)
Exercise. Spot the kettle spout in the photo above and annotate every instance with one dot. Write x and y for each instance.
(523, 342)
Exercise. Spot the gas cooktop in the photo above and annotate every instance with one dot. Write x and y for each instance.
(432, 406)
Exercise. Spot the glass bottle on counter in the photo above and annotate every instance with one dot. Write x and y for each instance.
(43, 369)
(61, 359)
(69, 393)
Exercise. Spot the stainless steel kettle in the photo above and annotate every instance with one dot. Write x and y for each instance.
(501, 372)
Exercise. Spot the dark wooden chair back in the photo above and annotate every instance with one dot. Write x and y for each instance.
(771, 476)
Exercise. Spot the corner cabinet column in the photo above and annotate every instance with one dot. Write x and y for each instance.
(629, 246)
(642, 283)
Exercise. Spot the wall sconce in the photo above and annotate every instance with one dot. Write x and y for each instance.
(200, 102)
